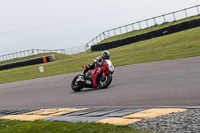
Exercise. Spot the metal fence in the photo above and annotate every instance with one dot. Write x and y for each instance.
(181, 14)
(31, 52)
(170, 17)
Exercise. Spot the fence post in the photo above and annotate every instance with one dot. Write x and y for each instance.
(154, 20)
(164, 18)
(198, 10)
(126, 28)
(108, 34)
(133, 27)
(96, 39)
(120, 30)
(93, 41)
(139, 25)
(174, 16)
(147, 23)
(186, 13)
(100, 37)
(104, 35)
(114, 32)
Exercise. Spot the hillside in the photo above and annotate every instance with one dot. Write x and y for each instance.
(146, 30)
(178, 45)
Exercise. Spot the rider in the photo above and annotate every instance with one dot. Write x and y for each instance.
(99, 61)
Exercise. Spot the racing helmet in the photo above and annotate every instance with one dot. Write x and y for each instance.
(106, 55)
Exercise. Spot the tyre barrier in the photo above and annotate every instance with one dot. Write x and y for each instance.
(149, 35)
(28, 62)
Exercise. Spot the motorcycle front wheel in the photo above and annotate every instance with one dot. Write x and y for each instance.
(76, 84)
(104, 82)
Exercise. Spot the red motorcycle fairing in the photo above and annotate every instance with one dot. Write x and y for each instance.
(96, 72)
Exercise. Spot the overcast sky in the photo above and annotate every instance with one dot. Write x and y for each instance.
(57, 24)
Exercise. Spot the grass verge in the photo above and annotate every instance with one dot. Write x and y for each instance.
(41, 126)
(178, 45)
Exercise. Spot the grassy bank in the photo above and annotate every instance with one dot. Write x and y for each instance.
(146, 30)
(40, 126)
(178, 45)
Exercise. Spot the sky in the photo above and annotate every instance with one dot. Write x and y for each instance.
(60, 24)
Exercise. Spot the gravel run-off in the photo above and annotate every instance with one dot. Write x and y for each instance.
(182, 122)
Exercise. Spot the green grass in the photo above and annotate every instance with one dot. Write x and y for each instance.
(146, 30)
(40, 126)
(178, 45)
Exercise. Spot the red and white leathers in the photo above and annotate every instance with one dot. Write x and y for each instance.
(99, 61)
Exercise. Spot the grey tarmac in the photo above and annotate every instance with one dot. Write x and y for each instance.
(164, 83)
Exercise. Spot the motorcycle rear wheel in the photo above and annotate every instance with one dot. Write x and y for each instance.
(106, 82)
(76, 85)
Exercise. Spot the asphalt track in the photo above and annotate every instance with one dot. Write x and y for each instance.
(162, 83)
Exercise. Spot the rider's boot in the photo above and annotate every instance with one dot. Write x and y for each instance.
(84, 72)
(82, 75)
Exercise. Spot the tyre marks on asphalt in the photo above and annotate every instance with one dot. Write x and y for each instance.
(93, 115)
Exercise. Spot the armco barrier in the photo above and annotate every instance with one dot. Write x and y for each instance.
(28, 62)
(149, 35)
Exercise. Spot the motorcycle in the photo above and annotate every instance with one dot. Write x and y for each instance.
(99, 77)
